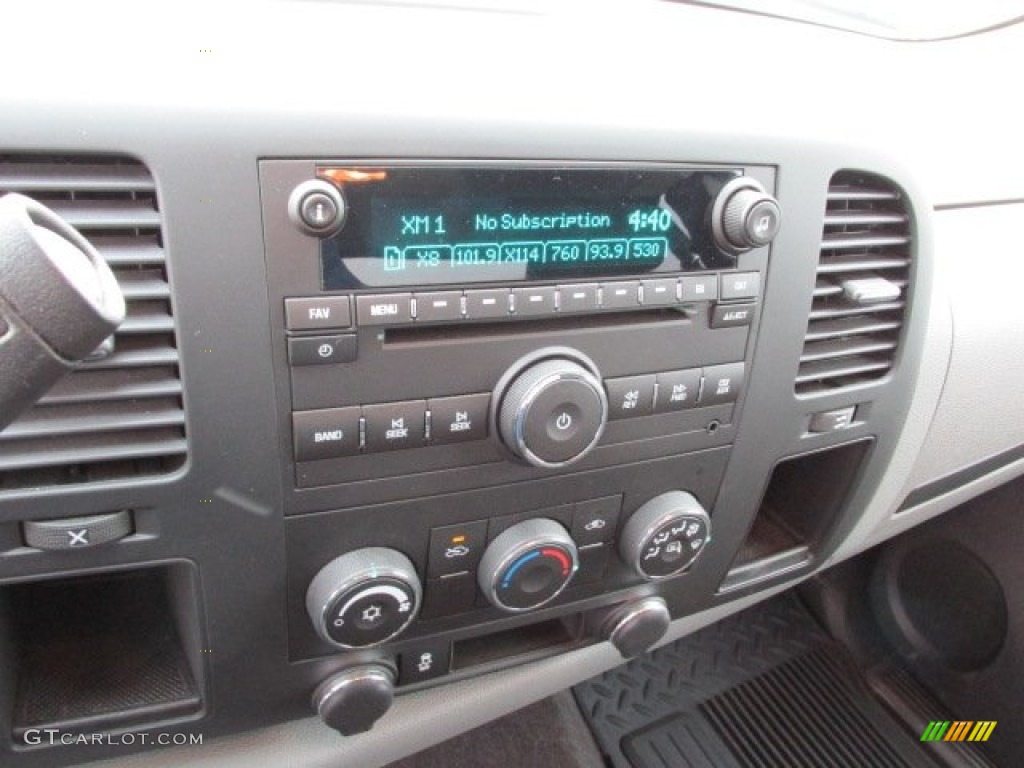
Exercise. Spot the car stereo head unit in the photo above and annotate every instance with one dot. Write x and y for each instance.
(397, 226)
(503, 387)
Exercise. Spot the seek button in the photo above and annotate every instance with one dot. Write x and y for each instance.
(458, 419)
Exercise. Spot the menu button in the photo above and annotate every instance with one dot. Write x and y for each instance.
(384, 310)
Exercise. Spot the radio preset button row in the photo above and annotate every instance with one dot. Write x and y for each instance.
(523, 301)
(331, 433)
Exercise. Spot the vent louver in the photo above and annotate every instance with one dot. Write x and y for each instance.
(120, 415)
(861, 287)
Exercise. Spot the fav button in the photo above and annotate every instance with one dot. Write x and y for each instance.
(456, 548)
(458, 419)
(317, 313)
(393, 426)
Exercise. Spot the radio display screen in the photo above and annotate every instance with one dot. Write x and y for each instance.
(415, 226)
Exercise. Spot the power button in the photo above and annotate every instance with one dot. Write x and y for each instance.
(553, 413)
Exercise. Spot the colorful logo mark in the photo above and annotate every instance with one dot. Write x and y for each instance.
(958, 730)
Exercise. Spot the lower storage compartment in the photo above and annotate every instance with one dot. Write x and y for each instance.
(101, 651)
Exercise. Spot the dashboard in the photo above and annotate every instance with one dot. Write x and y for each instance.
(470, 348)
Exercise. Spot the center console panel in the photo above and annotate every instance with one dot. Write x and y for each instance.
(509, 388)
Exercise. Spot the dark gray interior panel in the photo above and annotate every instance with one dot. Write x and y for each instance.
(246, 464)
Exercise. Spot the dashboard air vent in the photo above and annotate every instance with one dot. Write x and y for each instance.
(120, 414)
(861, 288)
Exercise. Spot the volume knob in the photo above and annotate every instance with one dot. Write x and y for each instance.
(552, 413)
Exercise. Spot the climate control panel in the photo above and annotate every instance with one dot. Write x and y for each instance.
(370, 596)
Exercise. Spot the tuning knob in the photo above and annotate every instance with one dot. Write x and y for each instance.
(744, 216)
(665, 535)
(354, 699)
(553, 412)
(527, 565)
(363, 598)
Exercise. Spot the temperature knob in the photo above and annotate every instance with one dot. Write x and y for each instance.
(744, 216)
(665, 535)
(527, 565)
(363, 598)
(553, 412)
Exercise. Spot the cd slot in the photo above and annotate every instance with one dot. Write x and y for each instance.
(439, 334)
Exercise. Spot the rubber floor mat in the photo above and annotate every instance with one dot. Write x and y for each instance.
(765, 687)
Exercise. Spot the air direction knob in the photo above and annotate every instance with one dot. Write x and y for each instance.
(665, 536)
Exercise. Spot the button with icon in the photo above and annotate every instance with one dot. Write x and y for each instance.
(458, 419)
(456, 548)
(630, 396)
(322, 350)
(595, 520)
(391, 426)
(425, 661)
